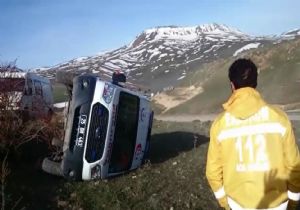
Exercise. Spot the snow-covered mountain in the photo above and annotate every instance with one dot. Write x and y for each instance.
(161, 57)
(211, 31)
(291, 34)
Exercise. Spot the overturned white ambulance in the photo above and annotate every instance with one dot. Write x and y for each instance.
(108, 130)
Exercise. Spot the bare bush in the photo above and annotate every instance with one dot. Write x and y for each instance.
(3, 175)
(16, 128)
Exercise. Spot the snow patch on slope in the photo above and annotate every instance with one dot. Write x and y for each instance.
(246, 47)
(80, 59)
(184, 33)
(180, 78)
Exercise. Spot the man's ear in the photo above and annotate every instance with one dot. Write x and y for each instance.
(232, 86)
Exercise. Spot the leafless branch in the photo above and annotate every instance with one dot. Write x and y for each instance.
(4, 173)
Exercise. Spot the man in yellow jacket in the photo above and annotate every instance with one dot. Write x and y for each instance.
(253, 161)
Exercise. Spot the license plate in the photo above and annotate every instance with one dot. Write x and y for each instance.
(81, 130)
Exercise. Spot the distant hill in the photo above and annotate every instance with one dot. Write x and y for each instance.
(190, 64)
(279, 80)
(161, 57)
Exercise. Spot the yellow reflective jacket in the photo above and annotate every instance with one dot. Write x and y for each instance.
(253, 160)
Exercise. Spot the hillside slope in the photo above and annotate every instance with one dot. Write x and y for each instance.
(279, 80)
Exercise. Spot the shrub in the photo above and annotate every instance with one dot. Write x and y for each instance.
(16, 128)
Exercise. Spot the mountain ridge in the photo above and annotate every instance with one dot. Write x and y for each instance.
(161, 57)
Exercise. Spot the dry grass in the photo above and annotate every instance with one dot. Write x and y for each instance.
(174, 177)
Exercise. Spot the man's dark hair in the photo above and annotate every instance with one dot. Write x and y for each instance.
(243, 73)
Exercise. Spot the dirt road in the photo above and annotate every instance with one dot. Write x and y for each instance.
(186, 118)
(294, 116)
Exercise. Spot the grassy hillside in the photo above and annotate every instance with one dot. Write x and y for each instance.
(296, 126)
(174, 178)
(279, 79)
(213, 79)
(59, 93)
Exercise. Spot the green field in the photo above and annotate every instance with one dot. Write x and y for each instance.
(173, 178)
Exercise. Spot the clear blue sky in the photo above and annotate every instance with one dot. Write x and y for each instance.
(47, 32)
